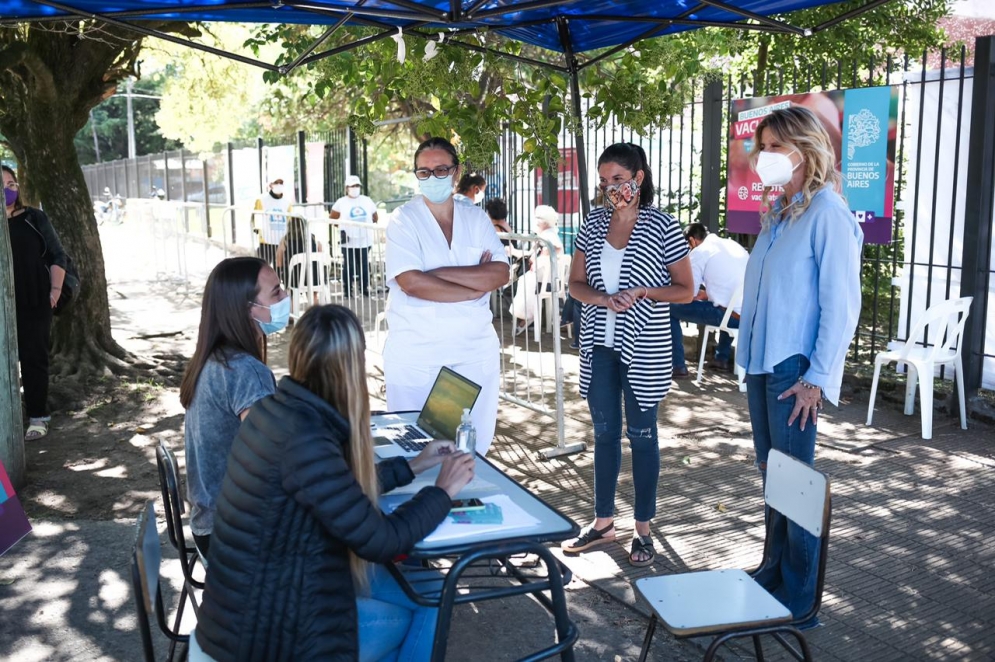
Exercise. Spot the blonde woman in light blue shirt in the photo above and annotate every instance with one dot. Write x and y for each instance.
(801, 302)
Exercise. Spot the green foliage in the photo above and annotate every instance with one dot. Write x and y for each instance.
(109, 120)
(471, 96)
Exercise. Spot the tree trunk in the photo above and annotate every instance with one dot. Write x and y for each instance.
(11, 420)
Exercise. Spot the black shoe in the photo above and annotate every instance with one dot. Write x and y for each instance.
(681, 373)
(719, 365)
(588, 538)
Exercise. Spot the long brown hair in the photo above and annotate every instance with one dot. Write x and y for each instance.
(225, 324)
(327, 355)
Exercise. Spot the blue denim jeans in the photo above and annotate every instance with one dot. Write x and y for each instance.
(699, 312)
(790, 569)
(391, 626)
(609, 386)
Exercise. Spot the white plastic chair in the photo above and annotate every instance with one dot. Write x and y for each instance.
(734, 301)
(546, 295)
(729, 604)
(324, 266)
(942, 325)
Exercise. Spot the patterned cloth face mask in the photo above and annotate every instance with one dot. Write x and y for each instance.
(620, 196)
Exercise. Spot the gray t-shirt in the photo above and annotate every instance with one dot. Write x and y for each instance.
(211, 424)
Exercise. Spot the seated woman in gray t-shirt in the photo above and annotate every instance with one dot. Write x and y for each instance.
(243, 302)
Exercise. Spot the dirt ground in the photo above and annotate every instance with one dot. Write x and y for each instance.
(96, 469)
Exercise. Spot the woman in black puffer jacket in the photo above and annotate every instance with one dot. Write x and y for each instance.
(298, 537)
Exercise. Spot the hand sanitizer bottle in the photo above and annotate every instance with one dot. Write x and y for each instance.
(466, 434)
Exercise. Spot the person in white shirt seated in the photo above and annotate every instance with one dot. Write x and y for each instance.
(718, 266)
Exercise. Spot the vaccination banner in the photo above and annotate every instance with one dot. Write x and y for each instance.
(861, 124)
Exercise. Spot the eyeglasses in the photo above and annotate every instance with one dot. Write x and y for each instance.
(440, 172)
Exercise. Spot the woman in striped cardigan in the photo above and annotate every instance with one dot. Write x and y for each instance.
(630, 263)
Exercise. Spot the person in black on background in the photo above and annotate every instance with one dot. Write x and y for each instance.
(39, 269)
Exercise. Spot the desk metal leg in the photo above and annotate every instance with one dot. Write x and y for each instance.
(566, 631)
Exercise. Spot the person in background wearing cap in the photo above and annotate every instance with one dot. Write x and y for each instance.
(272, 225)
(470, 189)
(356, 242)
(524, 303)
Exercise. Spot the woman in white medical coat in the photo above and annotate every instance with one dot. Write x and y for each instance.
(443, 260)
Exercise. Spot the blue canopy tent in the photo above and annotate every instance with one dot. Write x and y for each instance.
(564, 27)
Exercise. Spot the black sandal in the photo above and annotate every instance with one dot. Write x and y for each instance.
(640, 545)
(588, 538)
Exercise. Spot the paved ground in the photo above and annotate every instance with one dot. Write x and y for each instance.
(910, 573)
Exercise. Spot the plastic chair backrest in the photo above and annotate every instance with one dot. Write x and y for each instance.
(148, 557)
(798, 492)
(942, 324)
(172, 504)
(145, 562)
(319, 259)
(734, 301)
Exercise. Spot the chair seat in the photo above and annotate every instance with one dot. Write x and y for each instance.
(710, 602)
(920, 354)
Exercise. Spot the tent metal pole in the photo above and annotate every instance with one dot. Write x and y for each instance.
(158, 34)
(525, 6)
(581, 156)
(491, 51)
(317, 42)
(756, 17)
(562, 447)
(363, 11)
(848, 15)
(621, 47)
(664, 23)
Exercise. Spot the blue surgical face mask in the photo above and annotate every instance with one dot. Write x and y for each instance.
(435, 189)
(279, 314)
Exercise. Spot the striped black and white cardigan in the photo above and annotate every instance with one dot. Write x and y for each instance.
(642, 333)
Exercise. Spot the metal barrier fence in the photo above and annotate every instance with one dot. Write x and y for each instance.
(182, 242)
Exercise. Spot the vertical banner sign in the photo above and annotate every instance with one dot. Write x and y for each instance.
(861, 124)
(13, 522)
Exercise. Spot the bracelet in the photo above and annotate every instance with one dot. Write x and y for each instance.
(801, 380)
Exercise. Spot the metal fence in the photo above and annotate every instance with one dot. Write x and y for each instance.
(921, 266)
(172, 238)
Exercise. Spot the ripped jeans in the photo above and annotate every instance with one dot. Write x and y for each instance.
(609, 386)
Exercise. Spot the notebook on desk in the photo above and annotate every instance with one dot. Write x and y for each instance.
(450, 395)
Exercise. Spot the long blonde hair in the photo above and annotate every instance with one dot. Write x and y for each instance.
(327, 355)
(800, 128)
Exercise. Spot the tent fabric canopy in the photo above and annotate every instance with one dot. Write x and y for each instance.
(590, 24)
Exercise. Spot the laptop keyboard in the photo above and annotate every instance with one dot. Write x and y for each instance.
(407, 437)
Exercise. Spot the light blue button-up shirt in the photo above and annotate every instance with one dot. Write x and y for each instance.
(802, 293)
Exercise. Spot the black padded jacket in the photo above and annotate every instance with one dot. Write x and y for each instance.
(279, 585)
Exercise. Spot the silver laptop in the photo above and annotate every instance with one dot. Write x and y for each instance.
(438, 419)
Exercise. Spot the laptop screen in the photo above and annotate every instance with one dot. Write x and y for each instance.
(450, 395)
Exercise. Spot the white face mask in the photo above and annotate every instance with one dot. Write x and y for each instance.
(774, 168)
(477, 199)
(277, 189)
(352, 191)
